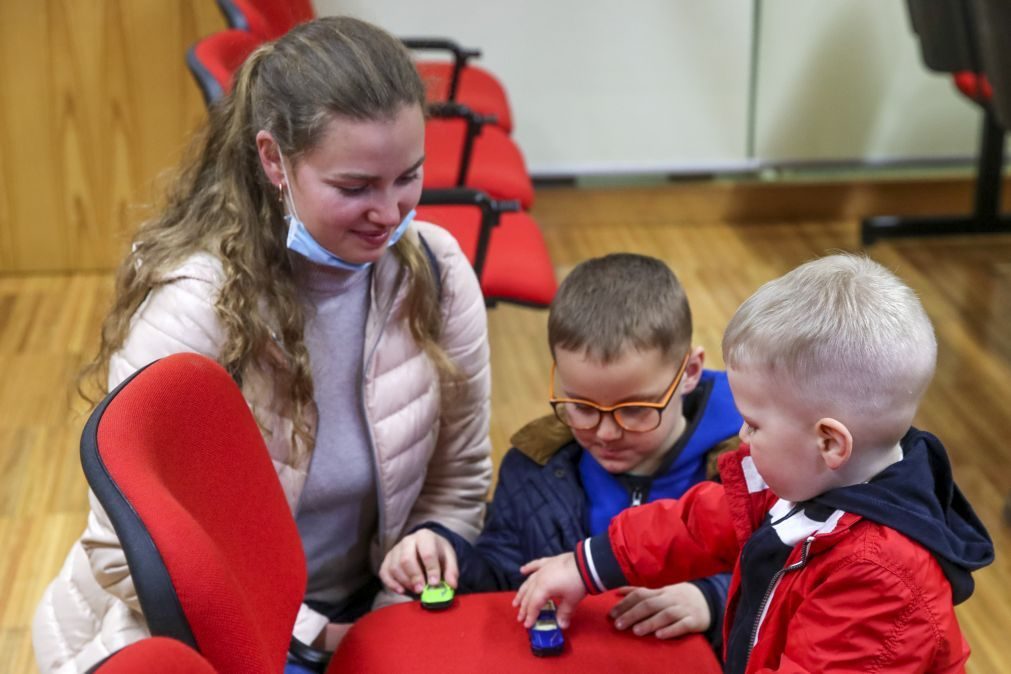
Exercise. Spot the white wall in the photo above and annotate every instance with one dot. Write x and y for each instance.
(599, 86)
(843, 80)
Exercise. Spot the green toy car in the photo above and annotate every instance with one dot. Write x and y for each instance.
(437, 597)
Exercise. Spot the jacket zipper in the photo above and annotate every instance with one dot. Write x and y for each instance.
(796, 566)
(637, 494)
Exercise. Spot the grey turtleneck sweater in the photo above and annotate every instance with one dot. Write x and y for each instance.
(337, 512)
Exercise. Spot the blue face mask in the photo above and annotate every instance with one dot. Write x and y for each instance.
(302, 242)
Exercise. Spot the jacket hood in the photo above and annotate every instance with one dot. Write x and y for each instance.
(919, 498)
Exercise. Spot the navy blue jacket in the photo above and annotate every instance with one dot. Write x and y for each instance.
(540, 508)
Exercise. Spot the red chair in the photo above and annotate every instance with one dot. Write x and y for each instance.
(156, 655)
(214, 59)
(463, 150)
(455, 80)
(177, 461)
(267, 19)
(504, 245)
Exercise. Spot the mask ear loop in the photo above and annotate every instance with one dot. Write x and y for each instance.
(291, 197)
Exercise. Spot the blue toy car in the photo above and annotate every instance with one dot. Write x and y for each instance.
(546, 636)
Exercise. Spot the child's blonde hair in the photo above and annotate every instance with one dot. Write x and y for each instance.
(847, 334)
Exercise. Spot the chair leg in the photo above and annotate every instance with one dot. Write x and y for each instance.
(986, 217)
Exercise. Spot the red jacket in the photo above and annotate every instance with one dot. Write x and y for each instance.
(857, 596)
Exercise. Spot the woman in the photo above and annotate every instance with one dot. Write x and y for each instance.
(287, 252)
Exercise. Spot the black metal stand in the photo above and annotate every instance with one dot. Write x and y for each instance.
(986, 217)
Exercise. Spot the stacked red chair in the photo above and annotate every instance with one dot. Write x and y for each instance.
(503, 243)
(455, 81)
(177, 461)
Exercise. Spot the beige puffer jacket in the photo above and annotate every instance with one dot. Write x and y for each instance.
(431, 466)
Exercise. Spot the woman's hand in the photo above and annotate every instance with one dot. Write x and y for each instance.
(668, 612)
(420, 558)
(549, 578)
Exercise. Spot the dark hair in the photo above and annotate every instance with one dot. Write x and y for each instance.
(610, 303)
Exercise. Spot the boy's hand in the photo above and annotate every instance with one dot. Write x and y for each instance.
(550, 578)
(420, 558)
(668, 612)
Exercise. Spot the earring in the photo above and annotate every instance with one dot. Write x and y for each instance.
(280, 192)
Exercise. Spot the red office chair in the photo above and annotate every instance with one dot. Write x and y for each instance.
(504, 245)
(463, 150)
(214, 59)
(453, 81)
(458, 81)
(267, 19)
(156, 655)
(178, 463)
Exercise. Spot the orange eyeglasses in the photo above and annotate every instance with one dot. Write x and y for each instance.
(638, 417)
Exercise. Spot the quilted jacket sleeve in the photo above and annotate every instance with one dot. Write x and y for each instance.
(459, 472)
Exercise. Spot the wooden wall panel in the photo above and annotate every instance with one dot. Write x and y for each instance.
(95, 104)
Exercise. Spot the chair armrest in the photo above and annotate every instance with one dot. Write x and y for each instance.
(475, 123)
(491, 212)
(460, 57)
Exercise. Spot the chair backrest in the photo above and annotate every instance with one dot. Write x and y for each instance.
(176, 458)
(213, 60)
(947, 34)
(155, 655)
(267, 19)
(994, 22)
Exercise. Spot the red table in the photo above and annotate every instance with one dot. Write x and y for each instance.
(479, 633)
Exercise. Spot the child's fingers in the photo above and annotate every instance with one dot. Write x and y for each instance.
(428, 553)
(534, 599)
(389, 581)
(533, 565)
(450, 570)
(564, 613)
(518, 599)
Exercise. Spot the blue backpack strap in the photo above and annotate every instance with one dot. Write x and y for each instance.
(434, 264)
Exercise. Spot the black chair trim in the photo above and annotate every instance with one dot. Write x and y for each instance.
(155, 591)
(209, 86)
(234, 17)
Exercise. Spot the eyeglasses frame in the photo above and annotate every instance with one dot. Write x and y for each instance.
(609, 409)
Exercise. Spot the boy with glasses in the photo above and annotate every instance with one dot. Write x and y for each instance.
(849, 540)
(637, 419)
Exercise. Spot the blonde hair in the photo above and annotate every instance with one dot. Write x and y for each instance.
(222, 203)
(843, 331)
(610, 303)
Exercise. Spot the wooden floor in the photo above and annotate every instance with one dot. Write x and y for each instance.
(723, 241)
